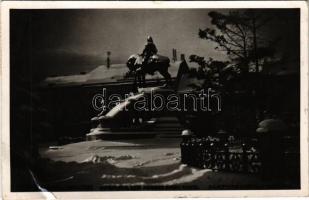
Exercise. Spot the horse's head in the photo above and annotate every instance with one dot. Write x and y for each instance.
(134, 62)
(131, 62)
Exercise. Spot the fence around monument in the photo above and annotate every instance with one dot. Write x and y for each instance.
(213, 154)
(243, 156)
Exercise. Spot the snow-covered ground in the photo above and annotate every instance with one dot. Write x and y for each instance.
(135, 163)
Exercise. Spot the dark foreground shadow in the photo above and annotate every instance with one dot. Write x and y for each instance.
(100, 175)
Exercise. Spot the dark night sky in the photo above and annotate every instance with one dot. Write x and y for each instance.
(70, 41)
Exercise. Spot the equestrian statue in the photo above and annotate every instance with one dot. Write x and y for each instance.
(148, 63)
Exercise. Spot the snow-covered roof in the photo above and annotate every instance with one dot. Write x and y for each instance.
(102, 74)
(65, 80)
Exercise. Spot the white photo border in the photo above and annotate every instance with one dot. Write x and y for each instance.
(5, 97)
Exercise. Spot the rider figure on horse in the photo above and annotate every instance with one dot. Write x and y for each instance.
(149, 50)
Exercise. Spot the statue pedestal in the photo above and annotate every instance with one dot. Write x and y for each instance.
(108, 134)
(97, 133)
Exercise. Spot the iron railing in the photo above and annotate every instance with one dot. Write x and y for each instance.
(214, 154)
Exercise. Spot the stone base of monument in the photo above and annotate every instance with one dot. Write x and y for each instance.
(163, 127)
(108, 134)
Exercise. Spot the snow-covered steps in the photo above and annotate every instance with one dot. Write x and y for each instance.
(162, 127)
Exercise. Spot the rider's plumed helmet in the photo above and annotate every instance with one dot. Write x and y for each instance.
(149, 39)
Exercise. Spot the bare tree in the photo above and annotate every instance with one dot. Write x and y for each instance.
(236, 32)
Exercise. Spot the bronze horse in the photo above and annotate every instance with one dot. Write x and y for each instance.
(155, 63)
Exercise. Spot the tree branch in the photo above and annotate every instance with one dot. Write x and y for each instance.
(233, 32)
(240, 29)
(231, 50)
(233, 40)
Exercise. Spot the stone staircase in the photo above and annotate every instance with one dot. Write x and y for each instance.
(163, 127)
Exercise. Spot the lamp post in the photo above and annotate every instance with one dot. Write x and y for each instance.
(108, 62)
